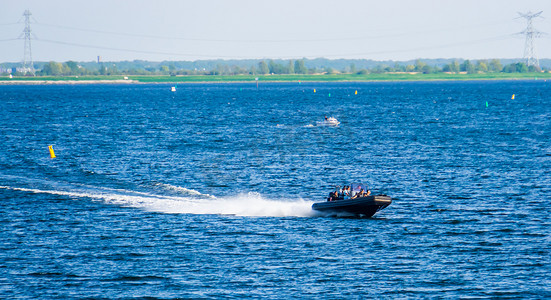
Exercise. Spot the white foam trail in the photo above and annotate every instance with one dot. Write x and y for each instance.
(52, 192)
(251, 204)
(183, 190)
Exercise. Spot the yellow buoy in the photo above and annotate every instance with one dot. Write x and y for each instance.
(51, 148)
(314, 90)
(513, 97)
(356, 92)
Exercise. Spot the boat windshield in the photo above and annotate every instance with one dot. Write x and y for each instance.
(356, 187)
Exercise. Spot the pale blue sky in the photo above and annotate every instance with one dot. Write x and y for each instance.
(208, 29)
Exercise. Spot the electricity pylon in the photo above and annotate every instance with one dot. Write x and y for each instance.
(529, 48)
(28, 65)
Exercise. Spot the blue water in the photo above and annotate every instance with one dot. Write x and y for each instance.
(206, 192)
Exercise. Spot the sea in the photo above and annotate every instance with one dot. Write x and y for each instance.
(206, 192)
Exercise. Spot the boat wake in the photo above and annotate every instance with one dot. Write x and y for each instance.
(185, 201)
(183, 190)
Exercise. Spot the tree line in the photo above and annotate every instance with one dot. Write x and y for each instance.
(264, 67)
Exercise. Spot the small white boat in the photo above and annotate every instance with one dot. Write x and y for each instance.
(329, 122)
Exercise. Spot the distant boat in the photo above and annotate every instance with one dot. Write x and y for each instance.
(329, 122)
(173, 89)
(356, 204)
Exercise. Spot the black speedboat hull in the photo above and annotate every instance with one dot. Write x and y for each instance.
(364, 206)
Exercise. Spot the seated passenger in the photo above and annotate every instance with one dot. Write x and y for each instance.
(359, 194)
(346, 191)
(333, 196)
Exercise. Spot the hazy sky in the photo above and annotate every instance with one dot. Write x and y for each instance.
(208, 29)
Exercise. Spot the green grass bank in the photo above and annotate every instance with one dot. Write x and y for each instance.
(273, 78)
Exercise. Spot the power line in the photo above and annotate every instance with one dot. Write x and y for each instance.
(301, 40)
(27, 33)
(130, 50)
(7, 40)
(490, 39)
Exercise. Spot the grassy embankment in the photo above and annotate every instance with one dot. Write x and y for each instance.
(288, 78)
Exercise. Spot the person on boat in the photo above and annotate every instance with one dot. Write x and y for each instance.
(359, 194)
(333, 196)
(346, 192)
(326, 118)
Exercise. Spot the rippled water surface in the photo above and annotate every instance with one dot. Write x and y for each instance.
(206, 192)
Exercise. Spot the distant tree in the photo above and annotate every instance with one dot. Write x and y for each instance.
(452, 67)
(427, 69)
(534, 69)
(516, 68)
(482, 66)
(352, 68)
(272, 67)
(410, 68)
(468, 67)
(237, 70)
(164, 69)
(419, 65)
(73, 67)
(382, 68)
(221, 70)
(277, 68)
(378, 69)
(53, 68)
(135, 71)
(399, 68)
(495, 66)
(291, 67)
(300, 68)
(511, 68)
(263, 68)
(113, 70)
(330, 71)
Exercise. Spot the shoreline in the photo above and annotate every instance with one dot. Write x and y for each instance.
(67, 82)
(273, 79)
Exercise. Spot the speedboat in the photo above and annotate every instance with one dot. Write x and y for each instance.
(354, 200)
(331, 121)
